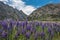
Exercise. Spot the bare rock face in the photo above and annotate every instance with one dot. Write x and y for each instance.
(8, 12)
(50, 12)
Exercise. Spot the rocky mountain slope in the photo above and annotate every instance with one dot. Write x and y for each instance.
(49, 12)
(8, 12)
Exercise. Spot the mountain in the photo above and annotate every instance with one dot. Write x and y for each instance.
(8, 12)
(49, 12)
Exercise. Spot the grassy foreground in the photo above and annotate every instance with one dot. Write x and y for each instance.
(32, 30)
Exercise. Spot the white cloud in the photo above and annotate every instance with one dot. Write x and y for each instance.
(3, 0)
(20, 5)
(28, 9)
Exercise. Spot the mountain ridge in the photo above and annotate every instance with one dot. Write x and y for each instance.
(49, 12)
(8, 12)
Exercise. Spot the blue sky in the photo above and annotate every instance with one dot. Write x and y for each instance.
(37, 3)
(28, 6)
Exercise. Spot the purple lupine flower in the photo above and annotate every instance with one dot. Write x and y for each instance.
(51, 35)
(42, 34)
(9, 29)
(28, 27)
(4, 34)
(5, 25)
(55, 28)
(50, 25)
(17, 24)
(1, 30)
(43, 27)
(27, 35)
(26, 20)
(40, 23)
(36, 35)
(0, 22)
(47, 24)
(23, 31)
(58, 29)
(11, 25)
(54, 24)
(22, 24)
(33, 30)
(36, 23)
(49, 30)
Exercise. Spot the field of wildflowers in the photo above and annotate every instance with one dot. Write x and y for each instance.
(24, 30)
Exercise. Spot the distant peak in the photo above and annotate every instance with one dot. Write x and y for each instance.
(53, 4)
(1, 2)
(21, 11)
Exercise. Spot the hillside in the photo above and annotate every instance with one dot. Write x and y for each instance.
(8, 12)
(49, 12)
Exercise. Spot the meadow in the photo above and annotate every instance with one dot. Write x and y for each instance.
(25, 30)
